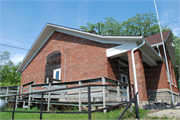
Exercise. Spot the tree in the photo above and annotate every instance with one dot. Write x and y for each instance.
(4, 57)
(8, 76)
(110, 27)
(139, 25)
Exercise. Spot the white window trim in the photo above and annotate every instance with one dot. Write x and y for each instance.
(54, 73)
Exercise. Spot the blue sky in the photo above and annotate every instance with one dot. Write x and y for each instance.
(21, 21)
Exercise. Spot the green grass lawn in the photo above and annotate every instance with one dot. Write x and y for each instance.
(114, 114)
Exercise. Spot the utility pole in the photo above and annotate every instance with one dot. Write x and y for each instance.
(167, 66)
(179, 89)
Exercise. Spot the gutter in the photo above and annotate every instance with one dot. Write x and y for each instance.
(134, 67)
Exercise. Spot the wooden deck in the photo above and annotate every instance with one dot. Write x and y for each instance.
(100, 96)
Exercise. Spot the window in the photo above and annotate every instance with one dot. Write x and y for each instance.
(57, 73)
(123, 67)
(53, 66)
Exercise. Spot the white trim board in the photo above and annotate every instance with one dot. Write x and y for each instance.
(115, 51)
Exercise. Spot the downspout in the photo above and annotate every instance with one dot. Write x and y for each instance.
(134, 67)
(179, 89)
(158, 50)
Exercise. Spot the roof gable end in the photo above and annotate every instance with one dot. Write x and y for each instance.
(154, 39)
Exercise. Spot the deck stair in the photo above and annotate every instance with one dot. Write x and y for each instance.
(25, 106)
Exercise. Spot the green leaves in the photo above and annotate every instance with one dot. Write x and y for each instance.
(110, 27)
(9, 76)
(139, 25)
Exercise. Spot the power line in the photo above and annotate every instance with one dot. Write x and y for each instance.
(22, 48)
(13, 47)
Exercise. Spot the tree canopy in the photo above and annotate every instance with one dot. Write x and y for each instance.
(139, 25)
(8, 76)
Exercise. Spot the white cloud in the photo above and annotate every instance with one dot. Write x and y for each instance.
(176, 31)
(175, 28)
(171, 18)
(17, 58)
(82, 12)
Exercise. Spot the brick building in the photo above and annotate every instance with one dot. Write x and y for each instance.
(69, 54)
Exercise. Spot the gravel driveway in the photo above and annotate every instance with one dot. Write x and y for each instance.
(167, 112)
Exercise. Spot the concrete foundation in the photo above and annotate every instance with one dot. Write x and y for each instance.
(162, 95)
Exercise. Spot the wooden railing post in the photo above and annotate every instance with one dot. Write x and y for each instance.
(17, 97)
(47, 80)
(104, 93)
(21, 91)
(80, 95)
(7, 91)
(30, 91)
(118, 92)
(33, 89)
(128, 93)
(49, 97)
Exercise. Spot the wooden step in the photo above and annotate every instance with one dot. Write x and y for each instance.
(26, 107)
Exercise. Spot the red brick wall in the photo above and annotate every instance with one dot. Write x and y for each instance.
(156, 77)
(172, 74)
(141, 82)
(84, 59)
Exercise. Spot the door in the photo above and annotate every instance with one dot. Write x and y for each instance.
(124, 78)
(56, 74)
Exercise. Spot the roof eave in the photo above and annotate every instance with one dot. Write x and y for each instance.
(170, 49)
(50, 28)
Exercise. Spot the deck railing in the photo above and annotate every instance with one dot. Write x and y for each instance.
(71, 95)
(89, 92)
(106, 93)
(9, 90)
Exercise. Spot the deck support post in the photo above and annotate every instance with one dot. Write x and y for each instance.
(14, 107)
(89, 102)
(80, 96)
(7, 91)
(42, 95)
(49, 97)
(17, 97)
(104, 93)
(118, 92)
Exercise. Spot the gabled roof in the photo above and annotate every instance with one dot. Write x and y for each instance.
(49, 29)
(154, 39)
(168, 40)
